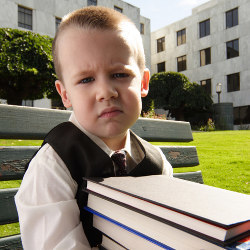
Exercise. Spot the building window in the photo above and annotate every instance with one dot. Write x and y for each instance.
(160, 44)
(58, 21)
(206, 84)
(233, 82)
(231, 18)
(24, 18)
(205, 56)
(181, 63)
(181, 37)
(118, 9)
(142, 28)
(161, 67)
(242, 115)
(205, 28)
(232, 48)
(92, 2)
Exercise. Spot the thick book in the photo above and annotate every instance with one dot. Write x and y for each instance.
(127, 237)
(141, 231)
(203, 210)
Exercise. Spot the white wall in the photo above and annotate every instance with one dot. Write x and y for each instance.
(146, 39)
(220, 67)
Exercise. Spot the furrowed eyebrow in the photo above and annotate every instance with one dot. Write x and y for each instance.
(127, 68)
(80, 74)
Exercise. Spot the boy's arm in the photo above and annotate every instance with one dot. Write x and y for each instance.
(47, 209)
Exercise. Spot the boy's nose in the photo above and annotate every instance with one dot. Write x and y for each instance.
(106, 90)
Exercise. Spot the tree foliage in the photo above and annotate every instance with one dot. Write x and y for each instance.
(174, 92)
(26, 66)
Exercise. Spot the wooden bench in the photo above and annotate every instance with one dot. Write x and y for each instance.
(18, 122)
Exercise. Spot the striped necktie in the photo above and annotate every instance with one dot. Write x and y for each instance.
(119, 158)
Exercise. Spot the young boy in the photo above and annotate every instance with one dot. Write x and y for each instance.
(100, 64)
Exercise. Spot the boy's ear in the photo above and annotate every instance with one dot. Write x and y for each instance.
(63, 93)
(145, 83)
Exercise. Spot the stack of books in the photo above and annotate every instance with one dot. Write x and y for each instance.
(157, 212)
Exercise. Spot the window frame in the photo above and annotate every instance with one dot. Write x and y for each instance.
(160, 43)
(233, 82)
(92, 3)
(231, 21)
(206, 28)
(207, 86)
(182, 37)
(161, 65)
(27, 15)
(237, 53)
(119, 9)
(207, 57)
(241, 115)
(182, 64)
(142, 28)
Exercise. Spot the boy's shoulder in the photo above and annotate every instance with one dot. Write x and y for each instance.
(143, 143)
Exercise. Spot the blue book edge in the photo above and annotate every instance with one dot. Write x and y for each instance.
(129, 229)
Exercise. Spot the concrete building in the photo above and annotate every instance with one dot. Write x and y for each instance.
(211, 46)
(43, 17)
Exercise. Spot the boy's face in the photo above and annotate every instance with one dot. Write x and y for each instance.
(101, 81)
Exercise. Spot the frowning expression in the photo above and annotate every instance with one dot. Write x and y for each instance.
(101, 80)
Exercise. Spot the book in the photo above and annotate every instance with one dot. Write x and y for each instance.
(111, 244)
(127, 237)
(146, 229)
(207, 212)
(141, 232)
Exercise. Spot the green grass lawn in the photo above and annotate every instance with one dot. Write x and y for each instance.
(224, 161)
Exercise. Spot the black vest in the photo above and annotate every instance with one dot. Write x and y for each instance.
(84, 158)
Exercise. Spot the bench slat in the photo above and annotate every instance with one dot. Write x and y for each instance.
(7, 206)
(35, 123)
(191, 176)
(14, 159)
(28, 122)
(163, 130)
(11, 242)
(181, 156)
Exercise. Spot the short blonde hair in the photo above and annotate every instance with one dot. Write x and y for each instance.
(101, 18)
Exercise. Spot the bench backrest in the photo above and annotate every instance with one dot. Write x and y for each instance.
(17, 122)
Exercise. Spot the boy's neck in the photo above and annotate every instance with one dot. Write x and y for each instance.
(116, 143)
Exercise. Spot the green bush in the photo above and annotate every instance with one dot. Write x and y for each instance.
(26, 66)
(184, 99)
(210, 126)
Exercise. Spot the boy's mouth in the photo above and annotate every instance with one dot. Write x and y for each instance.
(110, 112)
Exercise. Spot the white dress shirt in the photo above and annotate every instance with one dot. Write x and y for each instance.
(48, 212)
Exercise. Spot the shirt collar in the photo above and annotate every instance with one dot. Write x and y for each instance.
(98, 141)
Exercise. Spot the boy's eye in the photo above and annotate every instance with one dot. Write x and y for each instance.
(120, 75)
(87, 80)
